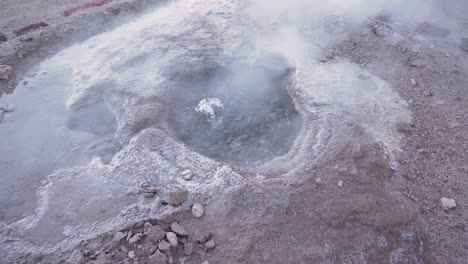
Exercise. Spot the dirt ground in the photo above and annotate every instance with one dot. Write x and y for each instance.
(347, 205)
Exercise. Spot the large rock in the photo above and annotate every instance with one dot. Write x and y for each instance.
(5, 72)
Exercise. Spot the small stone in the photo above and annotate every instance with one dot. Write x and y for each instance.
(202, 237)
(164, 245)
(205, 262)
(3, 38)
(134, 239)
(464, 44)
(414, 83)
(155, 233)
(427, 93)
(318, 181)
(176, 198)
(210, 245)
(129, 235)
(131, 255)
(178, 229)
(5, 72)
(172, 238)
(187, 175)
(119, 236)
(197, 210)
(340, 184)
(8, 108)
(146, 227)
(158, 258)
(448, 204)
(148, 192)
(124, 249)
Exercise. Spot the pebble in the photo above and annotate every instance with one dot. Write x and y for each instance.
(202, 237)
(414, 83)
(172, 238)
(176, 198)
(8, 108)
(134, 239)
(158, 258)
(427, 93)
(187, 175)
(178, 229)
(464, 44)
(5, 72)
(318, 181)
(197, 210)
(148, 192)
(3, 38)
(155, 233)
(447, 203)
(118, 236)
(131, 255)
(164, 245)
(210, 245)
(340, 184)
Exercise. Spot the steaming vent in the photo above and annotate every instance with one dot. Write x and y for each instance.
(242, 114)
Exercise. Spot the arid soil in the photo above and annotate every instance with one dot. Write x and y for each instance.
(345, 200)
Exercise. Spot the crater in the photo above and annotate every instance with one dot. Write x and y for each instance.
(241, 114)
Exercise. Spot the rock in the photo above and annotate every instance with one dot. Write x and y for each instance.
(148, 249)
(119, 236)
(414, 83)
(427, 93)
(124, 249)
(172, 238)
(3, 38)
(178, 229)
(164, 245)
(210, 245)
(155, 233)
(197, 210)
(187, 175)
(158, 258)
(318, 181)
(129, 235)
(146, 227)
(5, 72)
(30, 27)
(448, 204)
(340, 184)
(202, 237)
(464, 44)
(148, 192)
(8, 108)
(131, 255)
(176, 198)
(134, 239)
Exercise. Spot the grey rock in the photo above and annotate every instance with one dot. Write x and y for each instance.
(448, 204)
(5, 72)
(210, 245)
(202, 237)
(197, 210)
(414, 83)
(134, 239)
(172, 238)
(119, 236)
(164, 245)
(178, 229)
(148, 192)
(155, 233)
(187, 175)
(176, 198)
(158, 258)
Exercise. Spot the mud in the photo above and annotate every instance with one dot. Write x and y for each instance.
(375, 128)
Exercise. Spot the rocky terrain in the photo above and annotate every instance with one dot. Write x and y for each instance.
(373, 170)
